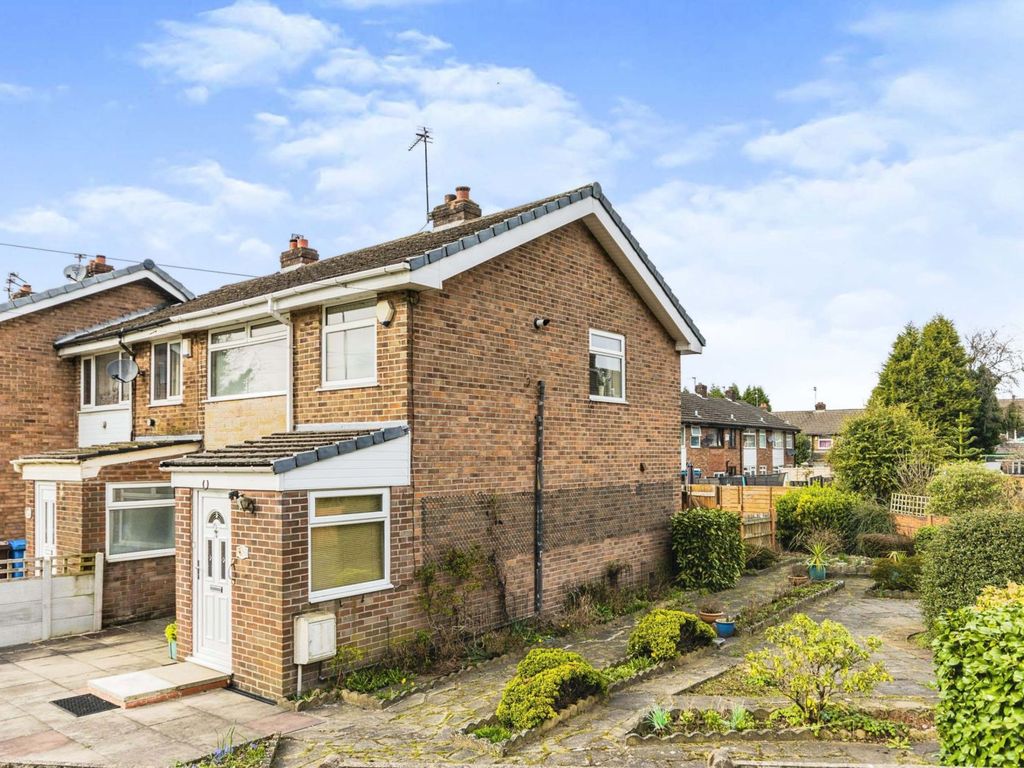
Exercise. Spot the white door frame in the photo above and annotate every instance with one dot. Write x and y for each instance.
(46, 519)
(218, 658)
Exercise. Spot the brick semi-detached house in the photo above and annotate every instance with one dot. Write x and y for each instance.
(40, 407)
(363, 414)
(724, 436)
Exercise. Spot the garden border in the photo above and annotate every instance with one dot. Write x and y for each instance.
(789, 610)
(273, 741)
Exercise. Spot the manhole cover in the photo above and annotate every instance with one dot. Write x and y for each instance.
(86, 704)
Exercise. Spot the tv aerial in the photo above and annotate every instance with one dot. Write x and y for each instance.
(124, 370)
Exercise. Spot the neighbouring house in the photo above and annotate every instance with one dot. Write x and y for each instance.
(1008, 456)
(40, 406)
(724, 437)
(822, 426)
(505, 384)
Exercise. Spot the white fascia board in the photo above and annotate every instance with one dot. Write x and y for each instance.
(98, 287)
(65, 469)
(608, 234)
(228, 479)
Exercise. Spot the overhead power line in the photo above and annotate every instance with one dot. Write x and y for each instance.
(128, 261)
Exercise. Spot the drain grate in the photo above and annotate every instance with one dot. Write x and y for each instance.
(83, 705)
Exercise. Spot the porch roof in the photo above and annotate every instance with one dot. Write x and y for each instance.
(284, 451)
(81, 454)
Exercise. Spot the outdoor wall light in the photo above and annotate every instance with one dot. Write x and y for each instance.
(385, 312)
(541, 322)
(245, 503)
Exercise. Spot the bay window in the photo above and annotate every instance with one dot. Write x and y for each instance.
(140, 520)
(99, 389)
(249, 360)
(166, 372)
(607, 367)
(350, 345)
(349, 543)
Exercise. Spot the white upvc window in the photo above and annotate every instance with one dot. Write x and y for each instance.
(607, 367)
(349, 543)
(824, 443)
(762, 439)
(140, 520)
(165, 372)
(248, 360)
(349, 345)
(100, 390)
(789, 440)
(695, 437)
(749, 438)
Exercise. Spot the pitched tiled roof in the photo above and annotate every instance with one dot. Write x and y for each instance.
(285, 451)
(417, 251)
(827, 422)
(71, 288)
(718, 411)
(80, 454)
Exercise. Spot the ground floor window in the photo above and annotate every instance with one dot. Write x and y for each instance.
(140, 520)
(349, 543)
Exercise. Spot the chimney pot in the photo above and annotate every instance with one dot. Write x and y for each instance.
(299, 253)
(701, 389)
(462, 193)
(98, 266)
(819, 406)
(449, 198)
(763, 406)
(303, 242)
(23, 291)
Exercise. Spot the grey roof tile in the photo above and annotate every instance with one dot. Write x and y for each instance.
(720, 412)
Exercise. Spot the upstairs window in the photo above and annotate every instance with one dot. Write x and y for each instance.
(166, 372)
(249, 360)
(762, 439)
(607, 367)
(100, 390)
(695, 437)
(824, 443)
(350, 345)
(749, 439)
(789, 440)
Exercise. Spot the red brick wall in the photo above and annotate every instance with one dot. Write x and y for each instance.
(183, 419)
(30, 423)
(132, 589)
(711, 460)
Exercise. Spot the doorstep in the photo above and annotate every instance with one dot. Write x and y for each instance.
(172, 681)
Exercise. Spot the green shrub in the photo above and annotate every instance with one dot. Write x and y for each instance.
(866, 517)
(708, 548)
(757, 557)
(664, 634)
(529, 701)
(540, 659)
(628, 668)
(923, 537)
(972, 551)
(881, 544)
(808, 663)
(807, 509)
(965, 486)
(979, 653)
(493, 733)
(903, 574)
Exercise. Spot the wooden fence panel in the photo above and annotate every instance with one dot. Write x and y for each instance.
(755, 506)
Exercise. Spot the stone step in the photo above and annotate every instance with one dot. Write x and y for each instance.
(173, 681)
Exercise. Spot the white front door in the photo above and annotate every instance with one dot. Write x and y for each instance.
(46, 519)
(211, 589)
(749, 452)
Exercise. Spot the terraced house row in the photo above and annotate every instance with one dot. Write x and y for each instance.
(283, 453)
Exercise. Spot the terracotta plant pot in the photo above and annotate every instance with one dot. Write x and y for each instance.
(709, 618)
(799, 581)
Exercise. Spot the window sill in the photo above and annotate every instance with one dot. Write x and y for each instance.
(362, 384)
(164, 403)
(253, 396)
(602, 399)
(125, 406)
(140, 556)
(354, 591)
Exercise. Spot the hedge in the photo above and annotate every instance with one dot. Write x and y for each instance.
(964, 486)
(530, 699)
(847, 515)
(664, 634)
(881, 544)
(708, 548)
(979, 652)
(970, 552)
(904, 575)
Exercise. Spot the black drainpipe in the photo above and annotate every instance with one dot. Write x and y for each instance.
(538, 507)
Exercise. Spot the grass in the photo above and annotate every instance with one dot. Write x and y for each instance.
(383, 682)
(495, 734)
(627, 668)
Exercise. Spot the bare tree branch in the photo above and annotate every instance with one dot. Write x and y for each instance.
(988, 348)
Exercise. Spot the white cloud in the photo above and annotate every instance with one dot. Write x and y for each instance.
(247, 43)
(422, 42)
(828, 144)
(365, 5)
(15, 92)
(229, 192)
(37, 221)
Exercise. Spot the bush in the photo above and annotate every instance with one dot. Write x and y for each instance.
(866, 517)
(972, 551)
(708, 548)
(757, 557)
(964, 486)
(923, 537)
(664, 634)
(881, 544)
(806, 509)
(979, 652)
(529, 701)
(808, 663)
(540, 659)
(902, 575)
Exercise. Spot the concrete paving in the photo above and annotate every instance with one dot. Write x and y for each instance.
(32, 729)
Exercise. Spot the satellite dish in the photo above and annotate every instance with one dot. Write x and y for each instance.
(75, 272)
(123, 370)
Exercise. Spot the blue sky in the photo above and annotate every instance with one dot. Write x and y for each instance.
(809, 176)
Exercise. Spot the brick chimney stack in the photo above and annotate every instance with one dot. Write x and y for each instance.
(701, 389)
(298, 254)
(98, 266)
(455, 209)
(763, 406)
(23, 291)
(819, 406)
(732, 393)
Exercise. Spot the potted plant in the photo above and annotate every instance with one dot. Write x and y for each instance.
(710, 611)
(725, 627)
(817, 561)
(171, 633)
(798, 576)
